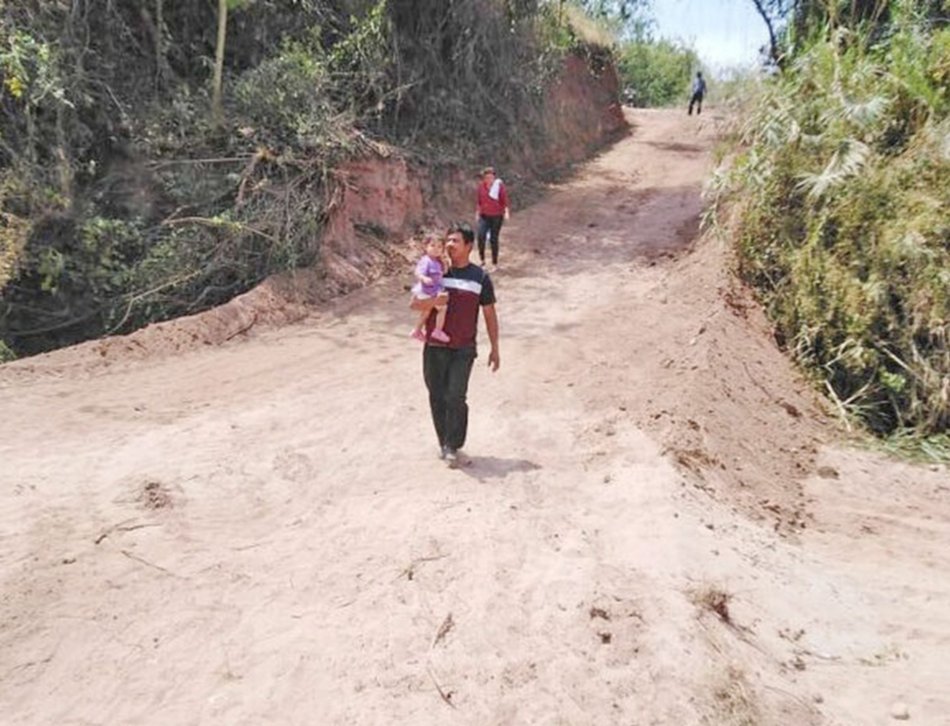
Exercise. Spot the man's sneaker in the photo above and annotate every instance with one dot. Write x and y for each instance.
(451, 457)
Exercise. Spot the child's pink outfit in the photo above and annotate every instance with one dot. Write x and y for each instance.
(431, 268)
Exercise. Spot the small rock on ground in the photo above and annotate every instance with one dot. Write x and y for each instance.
(900, 711)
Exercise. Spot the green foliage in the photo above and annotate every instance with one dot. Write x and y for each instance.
(922, 449)
(14, 231)
(33, 89)
(287, 98)
(657, 71)
(121, 202)
(842, 184)
(362, 62)
(626, 18)
(466, 75)
(30, 71)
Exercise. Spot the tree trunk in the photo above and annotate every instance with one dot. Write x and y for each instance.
(64, 167)
(160, 64)
(155, 30)
(773, 43)
(216, 111)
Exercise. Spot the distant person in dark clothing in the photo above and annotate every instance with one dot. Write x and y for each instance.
(491, 210)
(699, 90)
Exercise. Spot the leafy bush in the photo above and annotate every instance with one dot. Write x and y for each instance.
(123, 200)
(14, 231)
(657, 71)
(842, 186)
(286, 98)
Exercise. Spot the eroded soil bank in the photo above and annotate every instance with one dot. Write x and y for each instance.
(658, 524)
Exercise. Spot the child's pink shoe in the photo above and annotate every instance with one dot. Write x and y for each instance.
(418, 334)
(440, 336)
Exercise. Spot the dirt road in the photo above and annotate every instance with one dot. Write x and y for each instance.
(655, 525)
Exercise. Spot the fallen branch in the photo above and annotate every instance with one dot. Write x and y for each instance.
(139, 296)
(261, 155)
(219, 223)
(122, 528)
(841, 409)
(243, 328)
(757, 384)
(444, 629)
(447, 697)
(151, 564)
(410, 571)
(221, 160)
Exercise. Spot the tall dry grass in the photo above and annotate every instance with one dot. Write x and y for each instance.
(841, 181)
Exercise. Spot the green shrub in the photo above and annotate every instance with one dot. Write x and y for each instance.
(842, 188)
(658, 71)
(286, 99)
(124, 201)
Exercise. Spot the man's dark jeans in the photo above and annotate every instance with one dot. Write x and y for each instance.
(698, 100)
(446, 372)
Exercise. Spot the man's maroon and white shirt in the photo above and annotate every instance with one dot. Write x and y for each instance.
(469, 288)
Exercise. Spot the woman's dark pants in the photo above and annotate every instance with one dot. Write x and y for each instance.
(489, 226)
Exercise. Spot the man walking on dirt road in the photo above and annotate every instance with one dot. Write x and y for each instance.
(699, 90)
(446, 367)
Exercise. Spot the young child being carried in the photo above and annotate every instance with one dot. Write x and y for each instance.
(428, 288)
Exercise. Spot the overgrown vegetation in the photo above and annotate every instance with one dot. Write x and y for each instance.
(842, 188)
(124, 199)
(653, 71)
(657, 72)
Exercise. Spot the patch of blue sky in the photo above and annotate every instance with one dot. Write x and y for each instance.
(727, 34)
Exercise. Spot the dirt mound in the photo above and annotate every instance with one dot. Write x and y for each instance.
(725, 406)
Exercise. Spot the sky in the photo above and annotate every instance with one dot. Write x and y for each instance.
(725, 33)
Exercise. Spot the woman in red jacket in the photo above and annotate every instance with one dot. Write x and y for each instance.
(490, 211)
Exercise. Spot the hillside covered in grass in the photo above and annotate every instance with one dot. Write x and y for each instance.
(841, 188)
(158, 158)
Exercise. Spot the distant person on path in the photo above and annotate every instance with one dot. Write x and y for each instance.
(446, 367)
(491, 210)
(699, 90)
(427, 292)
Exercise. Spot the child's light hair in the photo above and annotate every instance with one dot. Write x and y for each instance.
(431, 235)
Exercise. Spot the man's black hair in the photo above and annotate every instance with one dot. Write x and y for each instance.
(463, 229)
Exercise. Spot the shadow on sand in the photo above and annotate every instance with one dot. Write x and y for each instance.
(483, 468)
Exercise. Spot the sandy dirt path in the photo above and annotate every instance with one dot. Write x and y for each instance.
(655, 525)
